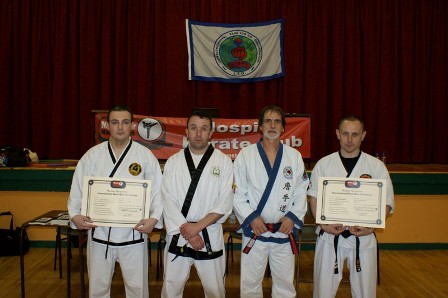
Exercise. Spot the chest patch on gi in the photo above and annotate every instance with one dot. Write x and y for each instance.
(287, 172)
(365, 176)
(216, 171)
(135, 169)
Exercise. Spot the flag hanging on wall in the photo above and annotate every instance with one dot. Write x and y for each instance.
(235, 53)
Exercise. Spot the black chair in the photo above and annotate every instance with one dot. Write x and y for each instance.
(377, 261)
(160, 247)
(60, 232)
(149, 250)
(232, 235)
(305, 236)
(78, 240)
(58, 250)
(236, 235)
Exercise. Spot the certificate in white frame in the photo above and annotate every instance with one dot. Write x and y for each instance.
(351, 202)
(115, 202)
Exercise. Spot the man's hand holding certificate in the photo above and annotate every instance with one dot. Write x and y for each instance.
(115, 202)
(351, 202)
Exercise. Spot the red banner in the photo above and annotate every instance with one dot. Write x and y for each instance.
(166, 135)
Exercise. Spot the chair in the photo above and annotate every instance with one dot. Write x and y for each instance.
(79, 239)
(160, 247)
(237, 235)
(232, 235)
(58, 250)
(149, 250)
(305, 236)
(58, 245)
(82, 242)
(377, 261)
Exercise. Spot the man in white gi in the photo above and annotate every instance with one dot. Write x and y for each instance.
(197, 199)
(270, 203)
(350, 161)
(123, 158)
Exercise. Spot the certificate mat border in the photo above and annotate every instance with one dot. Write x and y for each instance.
(324, 184)
(144, 184)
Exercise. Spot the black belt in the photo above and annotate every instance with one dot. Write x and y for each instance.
(109, 243)
(118, 244)
(189, 252)
(344, 234)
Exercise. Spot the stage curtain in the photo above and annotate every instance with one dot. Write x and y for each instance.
(385, 60)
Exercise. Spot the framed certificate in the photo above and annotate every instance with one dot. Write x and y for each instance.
(351, 202)
(115, 202)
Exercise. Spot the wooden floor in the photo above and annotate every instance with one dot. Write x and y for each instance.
(408, 273)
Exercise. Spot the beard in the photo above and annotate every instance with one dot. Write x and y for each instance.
(271, 135)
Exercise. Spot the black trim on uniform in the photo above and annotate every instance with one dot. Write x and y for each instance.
(349, 162)
(195, 174)
(117, 164)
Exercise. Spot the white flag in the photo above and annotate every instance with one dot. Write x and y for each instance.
(235, 53)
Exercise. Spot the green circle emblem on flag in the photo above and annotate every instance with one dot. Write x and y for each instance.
(238, 53)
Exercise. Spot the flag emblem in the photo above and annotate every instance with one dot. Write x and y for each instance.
(238, 53)
(235, 53)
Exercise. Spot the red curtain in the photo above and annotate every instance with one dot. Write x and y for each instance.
(385, 60)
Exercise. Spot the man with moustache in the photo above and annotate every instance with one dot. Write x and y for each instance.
(356, 245)
(197, 199)
(270, 203)
(122, 158)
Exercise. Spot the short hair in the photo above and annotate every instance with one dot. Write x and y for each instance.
(271, 108)
(118, 108)
(201, 114)
(352, 118)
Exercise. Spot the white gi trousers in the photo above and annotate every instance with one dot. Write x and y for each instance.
(326, 282)
(210, 272)
(134, 268)
(253, 267)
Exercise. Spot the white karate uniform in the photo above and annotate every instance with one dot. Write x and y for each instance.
(287, 198)
(363, 283)
(213, 195)
(133, 257)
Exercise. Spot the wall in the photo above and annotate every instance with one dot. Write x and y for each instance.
(25, 205)
(418, 219)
